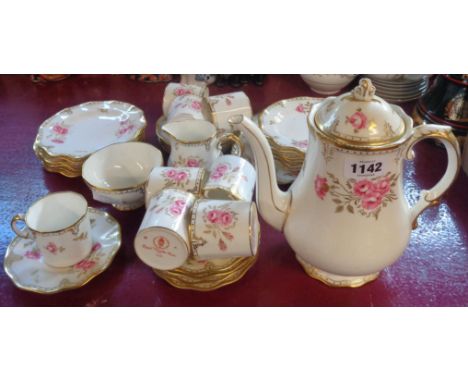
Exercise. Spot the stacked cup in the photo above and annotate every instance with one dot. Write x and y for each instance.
(201, 228)
(188, 103)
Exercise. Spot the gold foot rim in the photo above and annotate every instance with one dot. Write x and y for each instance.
(334, 280)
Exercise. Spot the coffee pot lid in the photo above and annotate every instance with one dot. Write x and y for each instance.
(360, 119)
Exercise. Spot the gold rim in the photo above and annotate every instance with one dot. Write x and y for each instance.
(75, 157)
(371, 146)
(62, 230)
(86, 281)
(326, 277)
(184, 280)
(64, 165)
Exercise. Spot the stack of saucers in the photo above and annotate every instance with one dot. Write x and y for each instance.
(400, 87)
(66, 139)
(284, 124)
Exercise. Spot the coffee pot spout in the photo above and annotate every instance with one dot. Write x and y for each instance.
(272, 203)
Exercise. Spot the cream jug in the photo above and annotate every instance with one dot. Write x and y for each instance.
(346, 216)
(196, 143)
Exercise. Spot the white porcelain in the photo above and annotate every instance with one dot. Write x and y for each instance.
(195, 143)
(231, 177)
(187, 107)
(117, 174)
(162, 240)
(78, 131)
(175, 89)
(223, 106)
(190, 179)
(345, 215)
(59, 226)
(25, 265)
(327, 84)
(223, 229)
(285, 122)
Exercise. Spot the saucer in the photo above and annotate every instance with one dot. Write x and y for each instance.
(207, 275)
(65, 138)
(24, 264)
(285, 124)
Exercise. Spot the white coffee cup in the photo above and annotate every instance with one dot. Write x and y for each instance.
(190, 179)
(187, 107)
(60, 226)
(222, 107)
(174, 90)
(222, 229)
(162, 239)
(231, 177)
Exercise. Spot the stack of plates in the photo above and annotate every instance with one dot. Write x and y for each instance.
(66, 139)
(400, 87)
(285, 126)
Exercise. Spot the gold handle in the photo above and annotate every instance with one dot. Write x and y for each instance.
(443, 134)
(237, 145)
(14, 227)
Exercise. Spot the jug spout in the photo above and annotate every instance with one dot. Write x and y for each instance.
(272, 203)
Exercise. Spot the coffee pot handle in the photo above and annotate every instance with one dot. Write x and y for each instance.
(26, 233)
(444, 135)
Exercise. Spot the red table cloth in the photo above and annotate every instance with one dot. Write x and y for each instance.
(432, 272)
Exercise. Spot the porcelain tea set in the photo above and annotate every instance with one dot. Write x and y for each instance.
(345, 214)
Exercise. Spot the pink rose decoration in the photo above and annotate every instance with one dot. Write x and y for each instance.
(196, 105)
(300, 108)
(371, 200)
(382, 186)
(213, 216)
(358, 120)
(96, 247)
(182, 92)
(85, 264)
(181, 176)
(180, 203)
(321, 186)
(33, 255)
(226, 218)
(171, 174)
(216, 175)
(175, 210)
(193, 163)
(362, 187)
(57, 129)
(51, 247)
(222, 168)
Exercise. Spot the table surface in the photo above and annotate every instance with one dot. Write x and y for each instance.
(432, 272)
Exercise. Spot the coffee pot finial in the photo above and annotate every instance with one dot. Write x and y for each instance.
(365, 91)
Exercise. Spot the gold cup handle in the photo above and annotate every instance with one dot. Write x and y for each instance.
(445, 136)
(237, 145)
(24, 234)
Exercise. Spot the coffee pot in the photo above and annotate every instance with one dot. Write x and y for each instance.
(346, 216)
